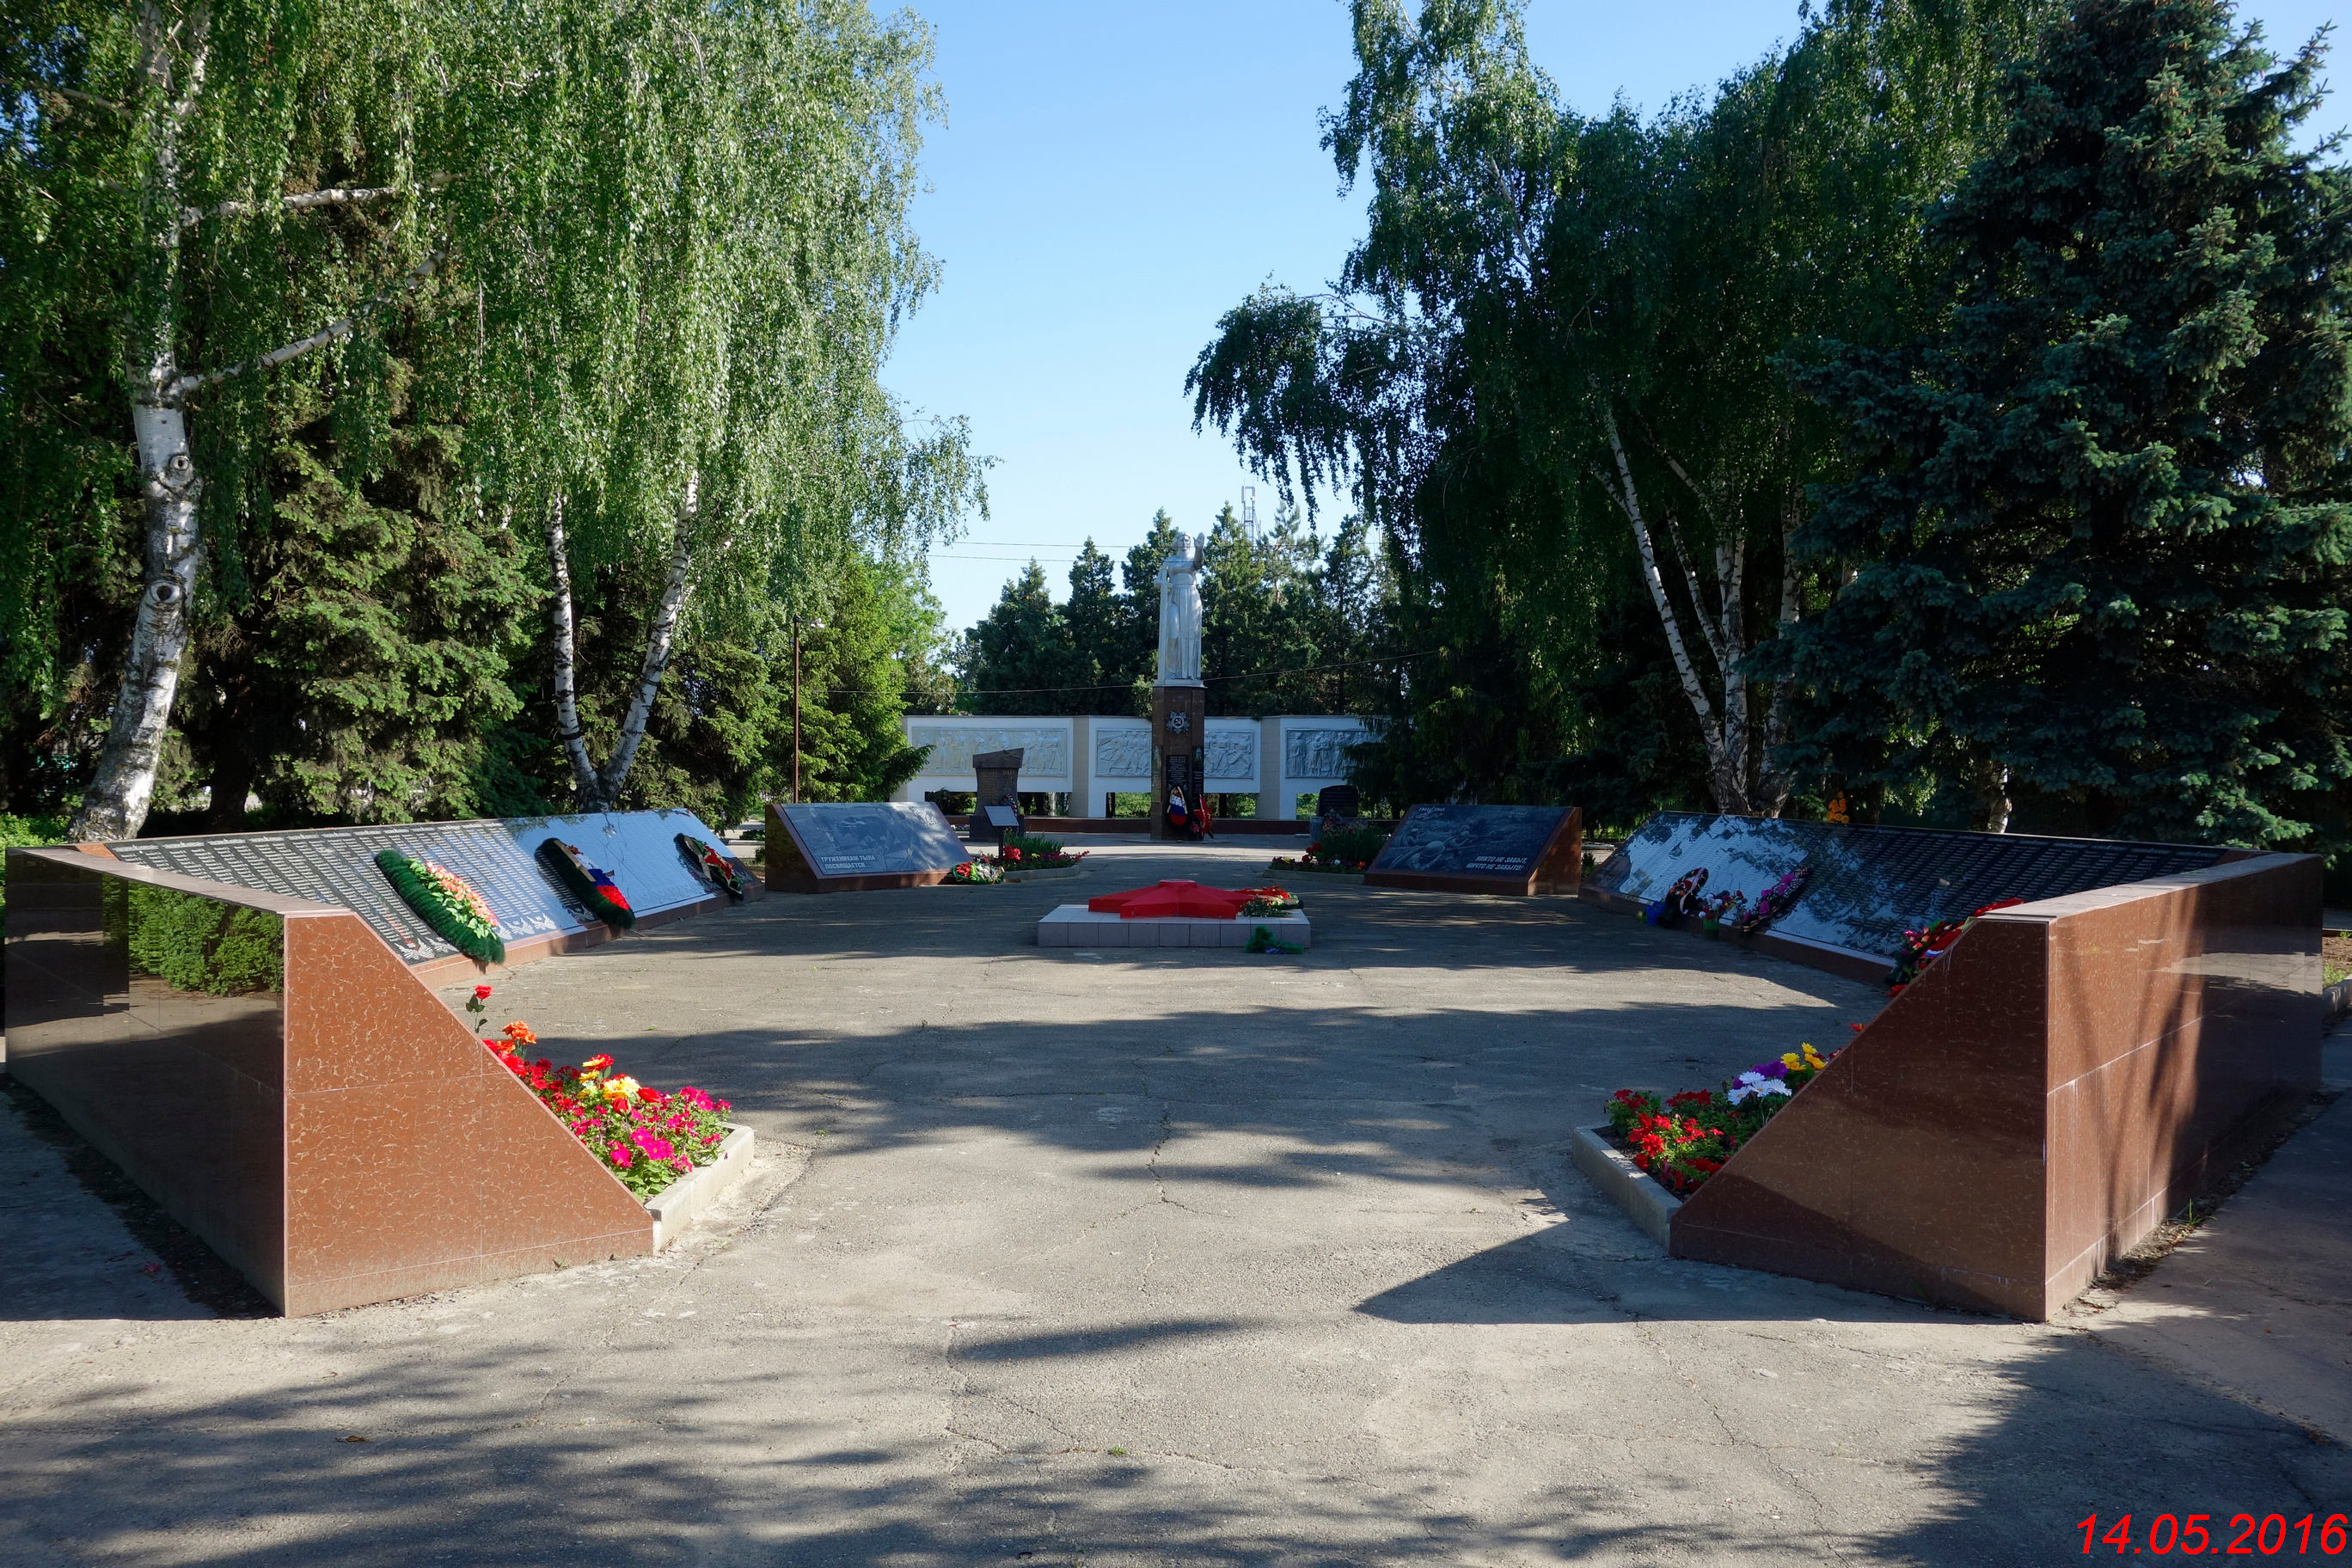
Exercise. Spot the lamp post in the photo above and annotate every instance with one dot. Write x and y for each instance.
(796, 711)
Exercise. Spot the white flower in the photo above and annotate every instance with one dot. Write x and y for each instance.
(1752, 1083)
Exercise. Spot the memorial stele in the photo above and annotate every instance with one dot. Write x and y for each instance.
(1179, 702)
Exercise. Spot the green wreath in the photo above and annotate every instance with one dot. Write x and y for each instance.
(593, 886)
(444, 901)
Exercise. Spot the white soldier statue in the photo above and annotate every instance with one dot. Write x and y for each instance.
(1180, 614)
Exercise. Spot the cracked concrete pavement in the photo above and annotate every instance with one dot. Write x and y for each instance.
(1116, 1258)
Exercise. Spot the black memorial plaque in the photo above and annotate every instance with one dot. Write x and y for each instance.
(1471, 840)
(1871, 884)
(882, 838)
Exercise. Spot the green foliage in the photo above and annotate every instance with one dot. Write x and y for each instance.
(2100, 512)
(1553, 316)
(1349, 847)
(22, 832)
(195, 944)
(1288, 625)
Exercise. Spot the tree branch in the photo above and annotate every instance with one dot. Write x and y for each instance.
(340, 327)
(334, 196)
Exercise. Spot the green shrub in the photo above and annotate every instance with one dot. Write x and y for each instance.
(24, 830)
(1033, 848)
(1348, 845)
(193, 944)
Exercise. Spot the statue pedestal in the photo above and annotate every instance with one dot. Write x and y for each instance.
(1180, 726)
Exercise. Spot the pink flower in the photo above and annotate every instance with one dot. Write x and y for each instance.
(655, 1147)
(621, 1157)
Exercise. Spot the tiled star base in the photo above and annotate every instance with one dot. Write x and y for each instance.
(1074, 925)
(2072, 1072)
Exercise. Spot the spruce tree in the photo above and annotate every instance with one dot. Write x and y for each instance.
(2098, 518)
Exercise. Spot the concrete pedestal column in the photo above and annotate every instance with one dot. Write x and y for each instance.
(1179, 748)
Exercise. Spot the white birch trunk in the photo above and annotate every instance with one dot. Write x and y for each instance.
(660, 638)
(1773, 784)
(564, 643)
(1730, 788)
(115, 804)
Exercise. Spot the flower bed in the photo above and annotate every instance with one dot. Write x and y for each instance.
(1343, 849)
(1026, 852)
(1687, 1139)
(646, 1138)
(444, 901)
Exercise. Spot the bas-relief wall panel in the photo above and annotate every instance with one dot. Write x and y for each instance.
(1318, 754)
(1046, 747)
(1122, 753)
(1231, 754)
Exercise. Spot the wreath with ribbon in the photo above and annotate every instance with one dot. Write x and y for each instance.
(447, 903)
(591, 884)
(713, 868)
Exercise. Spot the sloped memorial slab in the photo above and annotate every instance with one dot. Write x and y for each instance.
(1514, 849)
(1869, 884)
(536, 914)
(2072, 1071)
(840, 847)
(279, 1081)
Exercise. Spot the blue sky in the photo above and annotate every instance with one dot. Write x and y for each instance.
(1112, 178)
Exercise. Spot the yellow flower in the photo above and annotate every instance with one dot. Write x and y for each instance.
(622, 1088)
(1792, 1060)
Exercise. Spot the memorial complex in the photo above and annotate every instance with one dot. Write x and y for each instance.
(1722, 936)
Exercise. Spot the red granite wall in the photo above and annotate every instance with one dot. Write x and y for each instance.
(2070, 1073)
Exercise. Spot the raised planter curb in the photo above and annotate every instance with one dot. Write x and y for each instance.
(2337, 1000)
(674, 1206)
(1644, 1200)
(1318, 875)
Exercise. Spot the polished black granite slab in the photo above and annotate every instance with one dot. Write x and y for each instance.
(1471, 840)
(498, 857)
(1869, 884)
(875, 839)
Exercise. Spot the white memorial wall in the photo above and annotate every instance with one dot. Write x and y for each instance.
(1277, 759)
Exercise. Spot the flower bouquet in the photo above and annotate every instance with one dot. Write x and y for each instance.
(591, 884)
(979, 873)
(713, 867)
(1265, 901)
(1776, 900)
(1687, 1139)
(1923, 947)
(646, 1138)
(1681, 903)
(1723, 908)
(447, 902)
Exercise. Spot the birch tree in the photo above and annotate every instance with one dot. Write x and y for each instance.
(164, 129)
(1556, 362)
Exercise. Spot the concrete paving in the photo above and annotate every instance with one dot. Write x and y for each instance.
(1114, 1259)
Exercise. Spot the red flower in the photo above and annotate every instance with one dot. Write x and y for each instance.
(481, 993)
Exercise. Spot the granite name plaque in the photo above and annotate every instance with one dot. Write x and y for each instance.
(842, 846)
(1475, 848)
(1870, 884)
(337, 865)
